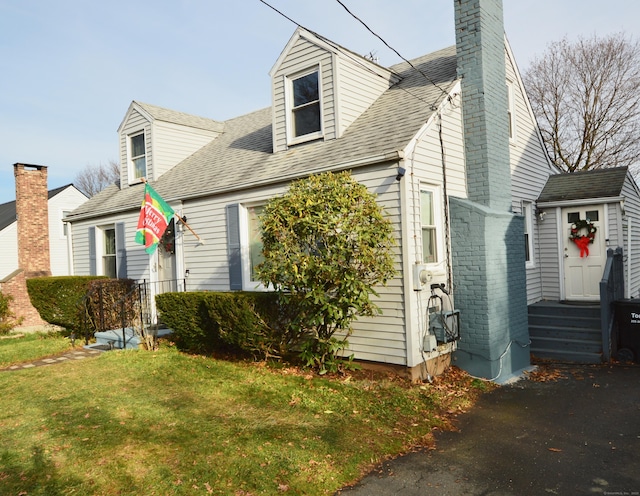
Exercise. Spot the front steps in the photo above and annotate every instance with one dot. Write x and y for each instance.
(564, 332)
(115, 338)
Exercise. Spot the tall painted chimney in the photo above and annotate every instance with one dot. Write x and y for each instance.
(32, 213)
(487, 239)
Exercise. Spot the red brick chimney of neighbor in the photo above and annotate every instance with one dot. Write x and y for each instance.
(34, 259)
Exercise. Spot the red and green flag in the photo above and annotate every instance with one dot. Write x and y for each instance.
(155, 216)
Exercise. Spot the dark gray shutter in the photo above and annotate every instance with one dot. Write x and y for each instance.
(121, 252)
(93, 267)
(233, 246)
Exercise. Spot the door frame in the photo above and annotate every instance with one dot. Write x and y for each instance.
(602, 236)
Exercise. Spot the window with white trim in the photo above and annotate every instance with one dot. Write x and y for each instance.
(527, 212)
(511, 112)
(429, 224)
(109, 252)
(251, 245)
(65, 225)
(254, 239)
(304, 114)
(138, 156)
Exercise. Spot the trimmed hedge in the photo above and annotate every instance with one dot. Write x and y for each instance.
(59, 300)
(255, 323)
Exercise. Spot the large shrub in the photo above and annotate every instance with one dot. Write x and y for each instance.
(326, 245)
(60, 300)
(253, 323)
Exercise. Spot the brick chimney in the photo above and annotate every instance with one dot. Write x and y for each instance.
(32, 215)
(34, 260)
(486, 238)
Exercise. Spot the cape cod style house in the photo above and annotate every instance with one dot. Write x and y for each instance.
(449, 145)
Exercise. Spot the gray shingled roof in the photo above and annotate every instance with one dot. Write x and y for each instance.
(600, 183)
(8, 210)
(242, 156)
(167, 115)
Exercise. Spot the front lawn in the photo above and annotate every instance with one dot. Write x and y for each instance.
(166, 423)
(17, 347)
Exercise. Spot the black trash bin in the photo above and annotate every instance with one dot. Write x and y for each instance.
(628, 326)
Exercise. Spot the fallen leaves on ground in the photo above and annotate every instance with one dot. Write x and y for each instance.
(545, 373)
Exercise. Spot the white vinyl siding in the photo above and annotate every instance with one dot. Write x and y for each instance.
(380, 338)
(349, 85)
(167, 144)
(135, 124)
(530, 170)
(9, 243)
(424, 168)
(302, 57)
(632, 213)
(358, 88)
(67, 200)
(172, 143)
(549, 243)
(137, 260)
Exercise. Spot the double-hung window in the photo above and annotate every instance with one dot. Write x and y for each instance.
(254, 238)
(527, 212)
(511, 113)
(109, 252)
(138, 156)
(305, 113)
(428, 224)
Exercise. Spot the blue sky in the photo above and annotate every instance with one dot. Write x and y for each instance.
(69, 68)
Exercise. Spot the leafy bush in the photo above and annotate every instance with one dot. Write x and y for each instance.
(7, 317)
(247, 322)
(59, 300)
(187, 316)
(326, 245)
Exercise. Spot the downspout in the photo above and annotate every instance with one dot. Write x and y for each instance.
(69, 225)
(627, 292)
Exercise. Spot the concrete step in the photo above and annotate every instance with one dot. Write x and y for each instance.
(554, 331)
(566, 356)
(115, 337)
(566, 344)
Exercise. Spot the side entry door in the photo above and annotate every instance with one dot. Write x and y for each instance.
(582, 271)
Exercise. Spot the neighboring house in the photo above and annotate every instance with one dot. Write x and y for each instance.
(33, 235)
(458, 182)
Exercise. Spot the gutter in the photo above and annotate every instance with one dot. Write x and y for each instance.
(583, 201)
(393, 156)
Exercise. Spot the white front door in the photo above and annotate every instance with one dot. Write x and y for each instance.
(167, 260)
(582, 271)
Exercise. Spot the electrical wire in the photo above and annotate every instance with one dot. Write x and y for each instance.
(359, 62)
(390, 47)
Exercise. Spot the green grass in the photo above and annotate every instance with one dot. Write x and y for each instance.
(17, 348)
(165, 423)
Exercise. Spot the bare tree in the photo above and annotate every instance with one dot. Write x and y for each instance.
(586, 97)
(94, 178)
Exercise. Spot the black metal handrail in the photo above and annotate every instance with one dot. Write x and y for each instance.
(611, 290)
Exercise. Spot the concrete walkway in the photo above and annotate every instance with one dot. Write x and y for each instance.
(577, 435)
(76, 354)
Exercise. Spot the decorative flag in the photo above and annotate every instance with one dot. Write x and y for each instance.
(155, 216)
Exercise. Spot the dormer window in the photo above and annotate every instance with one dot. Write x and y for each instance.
(306, 122)
(138, 156)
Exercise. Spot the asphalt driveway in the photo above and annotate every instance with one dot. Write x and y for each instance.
(579, 434)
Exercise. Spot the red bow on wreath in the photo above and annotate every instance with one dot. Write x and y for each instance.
(583, 242)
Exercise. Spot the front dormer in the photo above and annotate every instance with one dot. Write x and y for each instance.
(154, 139)
(320, 88)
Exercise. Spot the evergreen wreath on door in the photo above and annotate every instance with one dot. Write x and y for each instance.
(582, 241)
